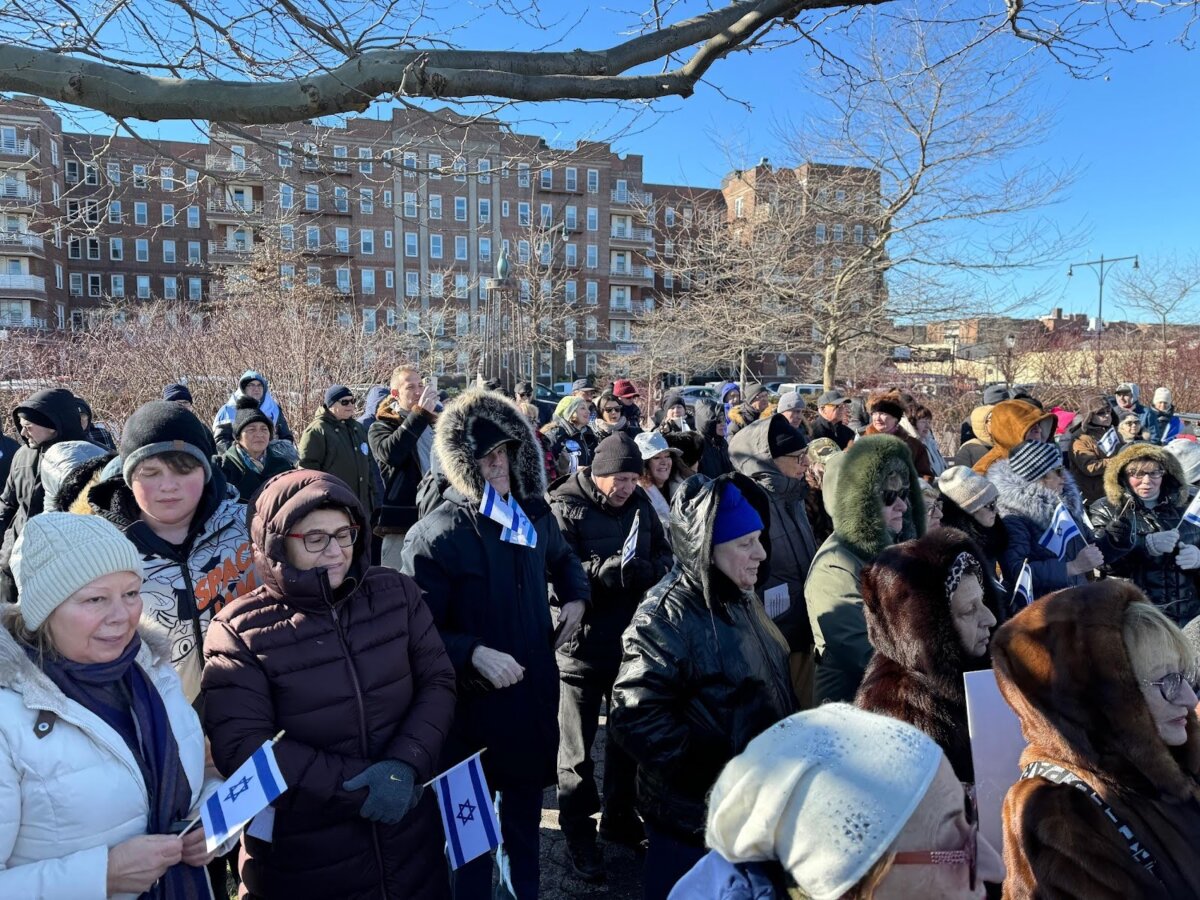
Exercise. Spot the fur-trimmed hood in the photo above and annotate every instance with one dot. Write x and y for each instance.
(453, 446)
(1174, 487)
(1031, 499)
(1011, 420)
(1090, 717)
(853, 491)
(20, 674)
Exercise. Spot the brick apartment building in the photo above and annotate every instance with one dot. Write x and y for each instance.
(405, 218)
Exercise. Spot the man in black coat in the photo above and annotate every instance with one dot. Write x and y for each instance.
(833, 410)
(401, 439)
(597, 509)
(486, 588)
(43, 420)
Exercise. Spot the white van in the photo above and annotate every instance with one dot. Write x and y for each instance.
(805, 390)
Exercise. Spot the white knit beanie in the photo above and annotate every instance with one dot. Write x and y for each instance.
(58, 553)
(825, 792)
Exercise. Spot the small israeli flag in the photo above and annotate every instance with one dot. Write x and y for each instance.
(629, 548)
(468, 816)
(1109, 442)
(516, 528)
(1192, 513)
(1023, 590)
(245, 794)
(1059, 534)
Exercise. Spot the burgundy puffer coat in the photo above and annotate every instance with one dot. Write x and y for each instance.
(355, 675)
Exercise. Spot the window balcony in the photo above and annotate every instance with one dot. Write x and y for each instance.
(228, 208)
(19, 194)
(636, 274)
(21, 242)
(639, 236)
(23, 148)
(11, 320)
(631, 198)
(233, 165)
(229, 252)
(23, 284)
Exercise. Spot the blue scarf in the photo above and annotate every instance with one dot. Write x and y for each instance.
(121, 694)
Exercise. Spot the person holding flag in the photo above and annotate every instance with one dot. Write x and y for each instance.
(611, 525)
(101, 755)
(1096, 440)
(1148, 531)
(344, 659)
(1041, 509)
(486, 584)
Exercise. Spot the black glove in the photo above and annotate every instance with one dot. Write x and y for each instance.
(391, 790)
(609, 573)
(638, 575)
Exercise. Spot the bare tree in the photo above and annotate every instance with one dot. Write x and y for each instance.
(303, 59)
(1165, 287)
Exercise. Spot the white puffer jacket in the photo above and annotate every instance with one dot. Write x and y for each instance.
(69, 787)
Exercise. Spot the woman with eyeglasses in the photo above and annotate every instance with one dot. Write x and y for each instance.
(836, 803)
(1088, 459)
(610, 417)
(336, 442)
(346, 661)
(969, 503)
(1142, 532)
(1108, 801)
(1031, 486)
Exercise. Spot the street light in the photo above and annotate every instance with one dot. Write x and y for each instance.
(1010, 341)
(1099, 266)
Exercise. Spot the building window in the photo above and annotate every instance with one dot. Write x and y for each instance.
(523, 214)
(141, 250)
(593, 219)
(820, 234)
(592, 293)
(168, 251)
(460, 247)
(485, 249)
(523, 175)
(194, 288)
(485, 211)
(669, 249)
(460, 169)
(571, 254)
(167, 177)
(838, 233)
(435, 206)
(93, 248)
(194, 252)
(113, 170)
(341, 199)
(193, 217)
(858, 234)
(387, 238)
(91, 175)
(669, 214)
(366, 242)
(284, 154)
(312, 276)
(462, 291)
(342, 280)
(570, 291)
(95, 284)
(589, 328)
(547, 179)
(139, 176)
(593, 256)
(365, 165)
(435, 246)
(341, 240)
(168, 213)
(114, 212)
(312, 198)
(75, 284)
(435, 166)
(460, 209)
(409, 165)
(366, 201)
(368, 283)
(437, 288)
(522, 251)
(412, 284)
(410, 204)
(116, 249)
(410, 244)
(312, 237)
(389, 283)
(485, 171)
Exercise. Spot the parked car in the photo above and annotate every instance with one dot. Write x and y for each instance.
(693, 392)
(545, 400)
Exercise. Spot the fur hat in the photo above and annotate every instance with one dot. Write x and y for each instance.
(890, 402)
(689, 444)
(968, 491)
(822, 772)
(58, 553)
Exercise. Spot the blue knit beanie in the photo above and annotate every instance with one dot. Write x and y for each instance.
(735, 516)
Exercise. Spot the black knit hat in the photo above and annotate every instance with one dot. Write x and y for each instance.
(783, 438)
(336, 392)
(615, 454)
(249, 412)
(177, 391)
(161, 426)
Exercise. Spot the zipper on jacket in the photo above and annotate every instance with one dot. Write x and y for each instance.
(327, 595)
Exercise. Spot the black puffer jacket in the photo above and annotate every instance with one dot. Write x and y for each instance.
(715, 460)
(704, 671)
(393, 437)
(1122, 522)
(483, 591)
(596, 532)
(23, 495)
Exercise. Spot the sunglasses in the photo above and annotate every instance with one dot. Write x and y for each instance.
(1171, 685)
(346, 402)
(611, 409)
(967, 855)
(890, 497)
(317, 541)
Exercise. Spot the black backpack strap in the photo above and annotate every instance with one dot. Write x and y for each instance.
(1057, 774)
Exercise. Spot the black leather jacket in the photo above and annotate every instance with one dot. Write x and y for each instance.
(704, 670)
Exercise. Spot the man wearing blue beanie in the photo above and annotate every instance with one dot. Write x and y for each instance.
(704, 669)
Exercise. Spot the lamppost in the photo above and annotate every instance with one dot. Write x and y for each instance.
(1010, 341)
(1099, 266)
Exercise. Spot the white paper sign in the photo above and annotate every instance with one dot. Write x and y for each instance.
(996, 748)
(777, 600)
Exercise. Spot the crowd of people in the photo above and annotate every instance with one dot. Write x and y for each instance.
(769, 602)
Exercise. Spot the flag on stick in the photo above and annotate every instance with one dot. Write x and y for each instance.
(245, 794)
(468, 816)
(1061, 531)
(1023, 590)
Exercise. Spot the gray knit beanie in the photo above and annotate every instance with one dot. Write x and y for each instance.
(968, 490)
(58, 553)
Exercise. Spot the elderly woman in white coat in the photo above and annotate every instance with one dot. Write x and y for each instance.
(101, 757)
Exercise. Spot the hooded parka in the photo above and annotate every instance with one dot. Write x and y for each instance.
(354, 675)
(793, 545)
(916, 674)
(1063, 667)
(704, 670)
(1122, 520)
(222, 425)
(69, 786)
(23, 496)
(1088, 461)
(1026, 509)
(853, 488)
(484, 591)
(1011, 421)
(977, 447)
(714, 461)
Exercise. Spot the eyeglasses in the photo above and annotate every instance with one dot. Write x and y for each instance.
(967, 856)
(1154, 475)
(317, 541)
(346, 401)
(1171, 685)
(890, 497)
(609, 410)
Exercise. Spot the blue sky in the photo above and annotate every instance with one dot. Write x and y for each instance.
(1133, 135)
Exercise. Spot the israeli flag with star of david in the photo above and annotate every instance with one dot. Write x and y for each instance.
(516, 528)
(468, 816)
(1109, 442)
(1060, 533)
(245, 794)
